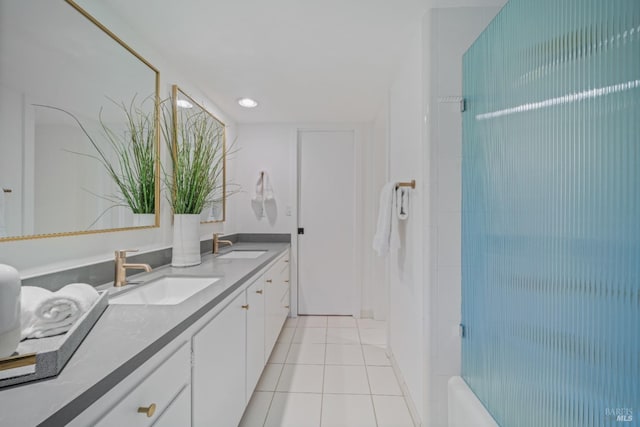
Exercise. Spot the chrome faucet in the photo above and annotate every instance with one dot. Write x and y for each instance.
(122, 267)
(217, 242)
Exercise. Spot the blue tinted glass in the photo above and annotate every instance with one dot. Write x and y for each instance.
(551, 214)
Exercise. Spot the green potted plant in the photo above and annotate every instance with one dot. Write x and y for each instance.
(130, 158)
(196, 143)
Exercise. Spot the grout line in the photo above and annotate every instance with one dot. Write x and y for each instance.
(366, 370)
(324, 371)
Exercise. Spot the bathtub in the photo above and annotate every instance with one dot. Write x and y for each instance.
(465, 410)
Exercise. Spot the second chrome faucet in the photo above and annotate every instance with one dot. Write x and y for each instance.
(122, 266)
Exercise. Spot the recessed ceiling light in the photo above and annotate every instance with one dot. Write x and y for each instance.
(247, 102)
(184, 103)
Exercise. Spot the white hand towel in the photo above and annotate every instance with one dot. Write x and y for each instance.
(402, 204)
(268, 189)
(386, 237)
(45, 313)
(259, 196)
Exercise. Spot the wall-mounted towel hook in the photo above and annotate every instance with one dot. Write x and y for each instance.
(411, 184)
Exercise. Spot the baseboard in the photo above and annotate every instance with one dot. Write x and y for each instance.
(405, 390)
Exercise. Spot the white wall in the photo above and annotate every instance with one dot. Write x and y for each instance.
(32, 257)
(405, 266)
(452, 30)
(269, 148)
(425, 137)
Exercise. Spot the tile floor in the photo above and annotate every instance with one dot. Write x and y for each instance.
(328, 372)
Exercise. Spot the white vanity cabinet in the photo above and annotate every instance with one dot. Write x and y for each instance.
(219, 363)
(255, 334)
(276, 287)
(157, 393)
(206, 376)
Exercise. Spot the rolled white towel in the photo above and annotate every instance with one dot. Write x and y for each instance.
(45, 313)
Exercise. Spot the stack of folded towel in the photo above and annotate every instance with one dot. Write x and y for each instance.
(45, 313)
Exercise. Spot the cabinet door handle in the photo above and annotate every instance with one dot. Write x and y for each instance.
(286, 306)
(259, 291)
(269, 281)
(246, 306)
(286, 281)
(149, 410)
(286, 260)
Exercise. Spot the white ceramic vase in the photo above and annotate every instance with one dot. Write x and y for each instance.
(186, 240)
(144, 220)
(9, 310)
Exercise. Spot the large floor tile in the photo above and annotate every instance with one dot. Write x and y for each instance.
(301, 379)
(270, 375)
(347, 410)
(310, 335)
(286, 335)
(294, 410)
(371, 324)
(392, 411)
(343, 336)
(383, 380)
(341, 322)
(312, 321)
(306, 354)
(375, 355)
(279, 353)
(344, 354)
(346, 380)
(257, 409)
(291, 322)
(373, 336)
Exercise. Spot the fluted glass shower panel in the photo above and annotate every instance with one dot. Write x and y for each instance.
(551, 214)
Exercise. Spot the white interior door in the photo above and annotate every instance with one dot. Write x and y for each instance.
(326, 258)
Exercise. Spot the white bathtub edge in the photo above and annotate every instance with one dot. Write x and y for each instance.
(465, 409)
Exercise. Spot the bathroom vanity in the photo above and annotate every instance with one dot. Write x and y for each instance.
(196, 362)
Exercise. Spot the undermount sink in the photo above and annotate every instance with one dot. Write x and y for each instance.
(240, 254)
(166, 290)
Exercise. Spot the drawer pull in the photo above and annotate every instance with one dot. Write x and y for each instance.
(149, 410)
(286, 306)
(286, 260)
(286, 281)
(269, 281)
(259, 291)
(246, 306)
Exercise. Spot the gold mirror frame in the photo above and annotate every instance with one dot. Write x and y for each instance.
(156, 101)
(175, 90)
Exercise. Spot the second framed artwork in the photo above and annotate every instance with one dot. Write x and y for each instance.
(198, 149)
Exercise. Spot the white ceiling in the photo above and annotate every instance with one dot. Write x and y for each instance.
(303, 60)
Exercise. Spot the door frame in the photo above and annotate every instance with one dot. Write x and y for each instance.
(358, 231)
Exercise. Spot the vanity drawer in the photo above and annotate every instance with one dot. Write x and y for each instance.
(159, 388)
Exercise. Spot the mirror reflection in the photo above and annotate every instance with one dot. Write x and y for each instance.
(192, 122)
(78, 112)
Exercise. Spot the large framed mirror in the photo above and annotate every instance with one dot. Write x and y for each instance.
(192, 125)
(75, 101)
